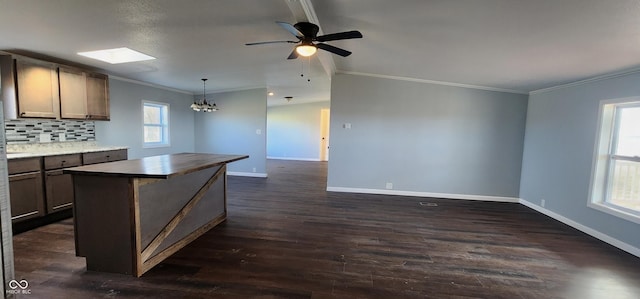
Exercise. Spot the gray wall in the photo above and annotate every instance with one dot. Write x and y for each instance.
(293, 131)
(125, 127)
(425, 137)
(232, 129)
(559, 147)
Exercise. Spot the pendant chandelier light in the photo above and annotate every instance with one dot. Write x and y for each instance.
(203, 105)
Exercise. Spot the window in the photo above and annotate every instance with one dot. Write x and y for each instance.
(156, 124)
(616, 177)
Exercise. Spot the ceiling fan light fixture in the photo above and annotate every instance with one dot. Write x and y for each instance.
(306, 50)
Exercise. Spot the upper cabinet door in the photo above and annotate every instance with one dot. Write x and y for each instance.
(97, 96)
(37, 89)
(73, 93)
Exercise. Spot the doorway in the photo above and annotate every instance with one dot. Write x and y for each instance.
(324, 134)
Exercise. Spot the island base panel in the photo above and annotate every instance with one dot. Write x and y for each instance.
(129, 225)
(176, 211)
(102, 222)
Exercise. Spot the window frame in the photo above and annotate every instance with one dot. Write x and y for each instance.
(165, 127)
(605, 157)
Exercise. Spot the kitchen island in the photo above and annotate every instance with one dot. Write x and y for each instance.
(131, 215)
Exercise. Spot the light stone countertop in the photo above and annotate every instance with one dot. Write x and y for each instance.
(16, 151)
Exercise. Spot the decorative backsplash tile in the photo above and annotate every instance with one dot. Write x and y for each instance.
(29, 131)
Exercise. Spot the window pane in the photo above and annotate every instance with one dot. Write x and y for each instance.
(629, 132)
(156, 124)
(625, 189)
(165, 115)
(152, 134)
(152, 114)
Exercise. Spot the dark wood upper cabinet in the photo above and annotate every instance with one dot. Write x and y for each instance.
(73, 93)
(97, 96)
(37, 89)
(83, 95)
(42, 89)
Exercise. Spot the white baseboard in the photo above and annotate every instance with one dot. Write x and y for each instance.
(294, 159)
(249, 174)
(424, 194)
(585, 229)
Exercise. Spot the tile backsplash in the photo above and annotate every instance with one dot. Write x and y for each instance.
(22, 131)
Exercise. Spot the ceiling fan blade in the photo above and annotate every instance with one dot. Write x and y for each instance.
(293, 54)
(334, 50)
(271, 42)
(291, 29)
(339, 35)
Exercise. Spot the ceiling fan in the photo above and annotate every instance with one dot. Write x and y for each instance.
(308, 41)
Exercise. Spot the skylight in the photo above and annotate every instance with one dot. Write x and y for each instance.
(118, 55)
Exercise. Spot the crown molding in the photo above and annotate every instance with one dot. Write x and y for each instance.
(149, 84)
(433, 82)
(182, 91)
(236, 89)
(586, 81)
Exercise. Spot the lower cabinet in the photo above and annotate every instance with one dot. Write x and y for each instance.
(59, 190)
(38, 186)
(25, 188)
(27, 198)
(59, 186)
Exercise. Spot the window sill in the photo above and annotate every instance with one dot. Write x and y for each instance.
(615, 212)
(155, 145)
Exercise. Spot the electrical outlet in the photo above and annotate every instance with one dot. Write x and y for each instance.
(542, 202)
(389, 186)
(254, 169)
(45, 137)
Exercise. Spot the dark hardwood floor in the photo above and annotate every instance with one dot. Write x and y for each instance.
(285, 237)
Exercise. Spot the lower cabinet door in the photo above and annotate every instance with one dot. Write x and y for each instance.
(59, 191)
(27, 197)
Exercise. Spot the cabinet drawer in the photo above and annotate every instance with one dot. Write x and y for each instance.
(62, 161)
(23, 165)
(101, 157)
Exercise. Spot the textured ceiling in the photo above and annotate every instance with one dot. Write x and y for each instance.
(512, 45)
(515, 45)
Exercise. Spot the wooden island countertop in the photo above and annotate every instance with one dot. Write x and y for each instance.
(159, 167)
(131, 215)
